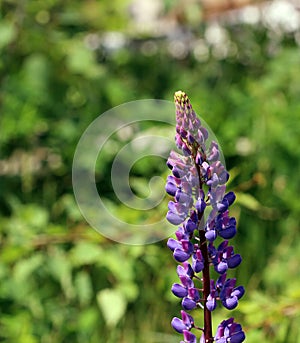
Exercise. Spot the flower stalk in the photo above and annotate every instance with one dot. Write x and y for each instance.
(207, 329)
(200, 207)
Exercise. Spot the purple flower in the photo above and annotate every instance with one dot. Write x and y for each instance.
(190, 225)
(183, 198)
(226, 202)
(184, 251)
(185, 270)
(190, 301)
(171, 188)
(230, 294)
(211, 302)
(220, 282)
(198, 181)
(182, 290)
(216, 195)
(229, 331)
(213, 153)
(200, 205)
(177, 213)
(179, 290)
(186, 323)
(224, 258)
(198, 262)
(188, 337)
(225, 226)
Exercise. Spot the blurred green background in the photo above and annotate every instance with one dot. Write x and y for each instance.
(62, 64)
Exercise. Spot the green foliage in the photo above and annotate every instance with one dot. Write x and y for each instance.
(62, 282)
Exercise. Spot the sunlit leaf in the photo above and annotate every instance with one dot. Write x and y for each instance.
(112, 304)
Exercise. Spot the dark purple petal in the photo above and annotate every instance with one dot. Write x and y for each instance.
(221, 340)
(174, 218)
(179, 141)
(200, 205)
(181, 255)
(187, 319)
(179, 291)
(199, 159)
(230, 303)
(213, 181)
(198, 255)
(228, 233)
(173, 244)
(211, 249)
(171, 188)
(222, 206)
(194, 294)
(180, 234)
(187, 246)
(221, 267)
(182, 197)
(230, 197)
(173, 179)
(221, 281)
(185, 270)
(204, 132)
(189, 337)
(228, 331)
(190, 226)
(172, 206)
(234, 328)
(198, 263)
(223, 177)
(188, 304)
(211, 235)
(211, 303)
(183, 133)
(186, 281)
(214, 153)
(169, 164)
(194, 217)
(190, 138)
(234, 261)
(198, 266)
(238, 337)
(232, 221)
(229, 284)
(178, 325)
(177, 172)
(222, 246)
(186, 150)
(238, 292)
(220, 330)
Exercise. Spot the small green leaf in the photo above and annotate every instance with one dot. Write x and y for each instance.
(248, 201)
(61, 269)
(7, 33)
(129, 289)
(85, 253)
(112, 304)
(87, 319)
(83, 287)
(24, 268)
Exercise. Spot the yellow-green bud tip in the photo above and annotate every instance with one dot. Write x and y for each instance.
(181, 98)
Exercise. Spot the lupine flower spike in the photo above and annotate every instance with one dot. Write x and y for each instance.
(198, 183)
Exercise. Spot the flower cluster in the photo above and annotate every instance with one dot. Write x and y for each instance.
(198, 187)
